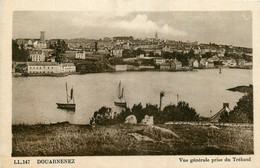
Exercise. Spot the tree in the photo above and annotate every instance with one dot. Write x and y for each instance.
(151, 54)
(101, 115)
(207, 55)
(60, 48)
(19, 54)
(224, 117)
(127, 54)
(243, 111)
(189, 113)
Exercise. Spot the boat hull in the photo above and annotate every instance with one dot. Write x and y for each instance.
(120, 104)
(66, 106)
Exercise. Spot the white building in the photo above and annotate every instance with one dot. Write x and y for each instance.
(195, 64)
(43, 67)
(37, 56)
(40, 44)
(67, 67)
(160, 61)
(80, 55)
(125, 67)
(50, 67)
(117, 52)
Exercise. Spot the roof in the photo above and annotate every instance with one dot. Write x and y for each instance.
(67, 64)
(42, 63)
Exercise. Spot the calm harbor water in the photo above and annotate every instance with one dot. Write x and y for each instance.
(35, 98)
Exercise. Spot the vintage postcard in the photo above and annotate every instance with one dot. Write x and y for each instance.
(162, 85)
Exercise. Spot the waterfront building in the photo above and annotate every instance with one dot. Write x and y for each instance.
(50, 67)
(67, 67)
(195, 64)
(241, 62)
(165, 66)
(126, 67)
(175, 65)
(43, 67)
(203, 63)
(144, 67)
(210, 64)
(191, 62)
(159, 61)
(37, 56)
(232, 63)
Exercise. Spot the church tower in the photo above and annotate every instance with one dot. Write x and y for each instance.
(156, 35)
(42, 38)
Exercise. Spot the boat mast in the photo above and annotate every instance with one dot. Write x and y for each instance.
(119, 90)
(67, 93)
(72, 95)
(122, 95)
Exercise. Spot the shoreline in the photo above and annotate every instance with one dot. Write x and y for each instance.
(148, 70)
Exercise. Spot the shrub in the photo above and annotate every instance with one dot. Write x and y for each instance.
(181, 112)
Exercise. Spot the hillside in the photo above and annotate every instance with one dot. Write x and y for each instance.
(121, 139)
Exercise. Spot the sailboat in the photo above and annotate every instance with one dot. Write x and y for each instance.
(68, 105)
(121, 99)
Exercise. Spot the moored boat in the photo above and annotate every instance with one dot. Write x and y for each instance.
(68, 105)
(121, 98)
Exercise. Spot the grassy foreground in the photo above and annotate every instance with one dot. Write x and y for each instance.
(83, 140)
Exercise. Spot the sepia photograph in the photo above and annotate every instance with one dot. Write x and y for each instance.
(91, 83)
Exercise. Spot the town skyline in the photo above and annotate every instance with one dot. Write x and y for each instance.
(227, 28)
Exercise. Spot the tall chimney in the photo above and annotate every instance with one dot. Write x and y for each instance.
(225, 105)
(42, 38)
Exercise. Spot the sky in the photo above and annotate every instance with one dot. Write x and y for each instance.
(224, 27)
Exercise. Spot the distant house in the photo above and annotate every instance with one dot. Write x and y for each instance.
(241, 62)
(195, 64)
(191, 62)
(80, 55)
(203, 63)
(126, 67)
(167, 49)
(159, 61)
(210, 63)
(216, 117)
(232, 63)
(140, 56)
(146, 67)
(37, 56)
(225, 63)
(159, 52)
(40, 44)
(117, 52)
(165, 66)
(215, 58)
(176, 65)
(221, 52)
